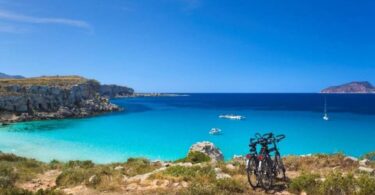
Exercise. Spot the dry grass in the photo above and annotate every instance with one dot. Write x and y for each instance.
(62, 81)
(320, 163)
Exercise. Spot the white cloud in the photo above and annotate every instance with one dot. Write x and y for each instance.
(41, 20)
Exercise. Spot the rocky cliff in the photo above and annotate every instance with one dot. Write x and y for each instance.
(113, 91)
(353, 87)
(51, 97)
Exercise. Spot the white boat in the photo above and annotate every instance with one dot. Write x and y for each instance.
(232, 117)
(215, 131)
(325, 116)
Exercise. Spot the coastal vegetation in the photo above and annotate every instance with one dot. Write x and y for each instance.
(56, 81)
(195, 157)
(195, 174)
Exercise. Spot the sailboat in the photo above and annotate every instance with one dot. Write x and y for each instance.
(325, 116)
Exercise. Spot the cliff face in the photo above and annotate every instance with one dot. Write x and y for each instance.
(52, 97)
(113, 91)
(353, 87)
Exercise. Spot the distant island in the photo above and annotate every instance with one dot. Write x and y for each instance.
(5, 76)
(55, 97)
(352, 87)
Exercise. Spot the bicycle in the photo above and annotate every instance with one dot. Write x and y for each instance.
(261, 168)
(265, 166)
(279, 168)
(252, 164)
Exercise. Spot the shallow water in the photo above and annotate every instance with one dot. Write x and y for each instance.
(165, 127)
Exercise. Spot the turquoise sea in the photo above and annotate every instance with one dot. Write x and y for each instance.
(165, 127)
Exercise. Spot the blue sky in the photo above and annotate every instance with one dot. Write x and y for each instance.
(192, 45)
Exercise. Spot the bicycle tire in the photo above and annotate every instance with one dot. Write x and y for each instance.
(266, 174)
(251, 170)
(279, 168)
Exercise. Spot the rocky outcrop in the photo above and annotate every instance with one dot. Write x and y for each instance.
(209, 149)
(52, 97)
(113, 91)
(5, 76)
(353, 87)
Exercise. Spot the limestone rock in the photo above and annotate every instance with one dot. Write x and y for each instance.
(209, 149)
(364, 162)
(230, 167)
(350, 158)
(93, 179)
(52, 98)
(220, 175)
(112, 91)
(367, 170)
(119, 168)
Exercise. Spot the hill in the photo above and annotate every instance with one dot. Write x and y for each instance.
(5, 76)
(352, 87)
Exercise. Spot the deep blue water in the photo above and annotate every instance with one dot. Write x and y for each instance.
(165, 127)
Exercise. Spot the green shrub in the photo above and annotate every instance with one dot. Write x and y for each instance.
(366, 185)
(335, 183)
(136, 166)
(7, 177)
(19, 191)
(370, 156)
(10, 157)
(82, 164)
(55, 164)
(14, 191)
(71, 177)
(25, 168)
(137, 161)
(195, 157)
(48, 192)
(306, 182)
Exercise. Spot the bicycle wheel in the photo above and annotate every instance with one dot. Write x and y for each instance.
(266, 174)
(279, 169)
(251, 170)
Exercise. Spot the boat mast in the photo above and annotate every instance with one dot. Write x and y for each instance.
(325, 105)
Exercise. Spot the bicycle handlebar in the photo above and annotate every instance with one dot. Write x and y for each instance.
(267, 138)
(279, 137)
(258, 135)
(267, 135)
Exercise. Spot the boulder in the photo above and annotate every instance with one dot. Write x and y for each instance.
(209, 149)
(230, 167)
(93, 179)
(350, 158)
(220, 175)
(238, 159)
(366, 169)
(119, 168)
(364, 162)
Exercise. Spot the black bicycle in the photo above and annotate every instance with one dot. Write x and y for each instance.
(252, 164)
(279, 168)
(261, 168)
(265, 166)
